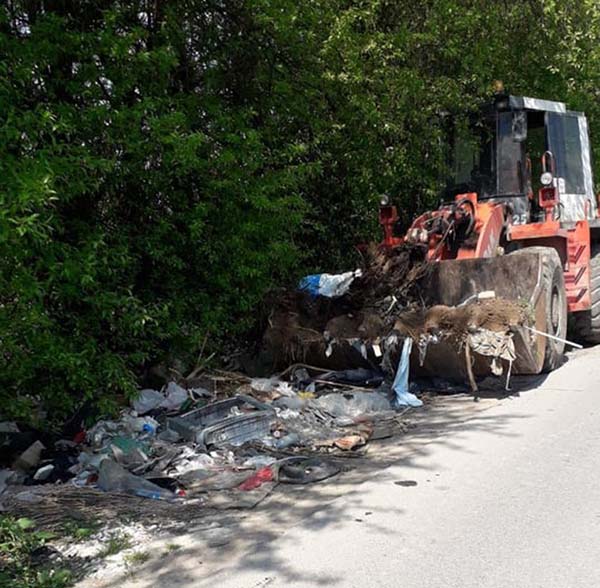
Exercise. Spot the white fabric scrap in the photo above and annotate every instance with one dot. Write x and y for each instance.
(496, 345)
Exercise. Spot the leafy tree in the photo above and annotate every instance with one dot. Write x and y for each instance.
(164, 164)
(141, 207)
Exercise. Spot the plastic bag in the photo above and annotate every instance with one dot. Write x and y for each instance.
(147, 400)
(176, 396)
(353, 404)
(400, 385)
(333, 286)
(328, 285)
(114, 478)
(264, 384)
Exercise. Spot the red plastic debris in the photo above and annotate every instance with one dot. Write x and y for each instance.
(79, 437)
(258, 479)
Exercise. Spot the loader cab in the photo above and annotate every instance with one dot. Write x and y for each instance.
(517, 146)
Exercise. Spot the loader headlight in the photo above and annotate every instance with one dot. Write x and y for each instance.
(546, 179)
(384, 200)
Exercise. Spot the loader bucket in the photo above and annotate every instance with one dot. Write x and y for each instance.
(516, 277)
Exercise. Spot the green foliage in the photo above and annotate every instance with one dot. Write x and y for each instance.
(137, 558)
(19, 542)
(163, 165)
(116, 543)
(140, 206)
(80, 530)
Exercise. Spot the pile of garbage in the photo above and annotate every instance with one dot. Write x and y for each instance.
(349, 344)
(380, 317)
(182, 442)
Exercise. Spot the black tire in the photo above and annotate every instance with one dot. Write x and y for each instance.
(553, 289)
(587, 322)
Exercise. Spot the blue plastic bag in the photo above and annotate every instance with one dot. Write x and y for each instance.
(310, 284)
(328, 285)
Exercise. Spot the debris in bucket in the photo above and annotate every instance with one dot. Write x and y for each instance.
(384, 330)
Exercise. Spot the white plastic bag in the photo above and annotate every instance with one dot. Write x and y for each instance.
(400, 385)
(176, 396)
(334, 285)
(147, 400)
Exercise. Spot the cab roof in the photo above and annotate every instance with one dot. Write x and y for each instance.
(525, 103)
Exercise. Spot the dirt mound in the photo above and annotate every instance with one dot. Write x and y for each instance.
(495, 315)
(387, 273)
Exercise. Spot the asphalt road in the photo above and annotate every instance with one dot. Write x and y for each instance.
(510, 497)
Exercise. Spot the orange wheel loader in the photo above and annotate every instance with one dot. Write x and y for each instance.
(519, 217)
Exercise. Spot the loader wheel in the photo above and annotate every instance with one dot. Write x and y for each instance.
(587, 323)
(553, 288)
